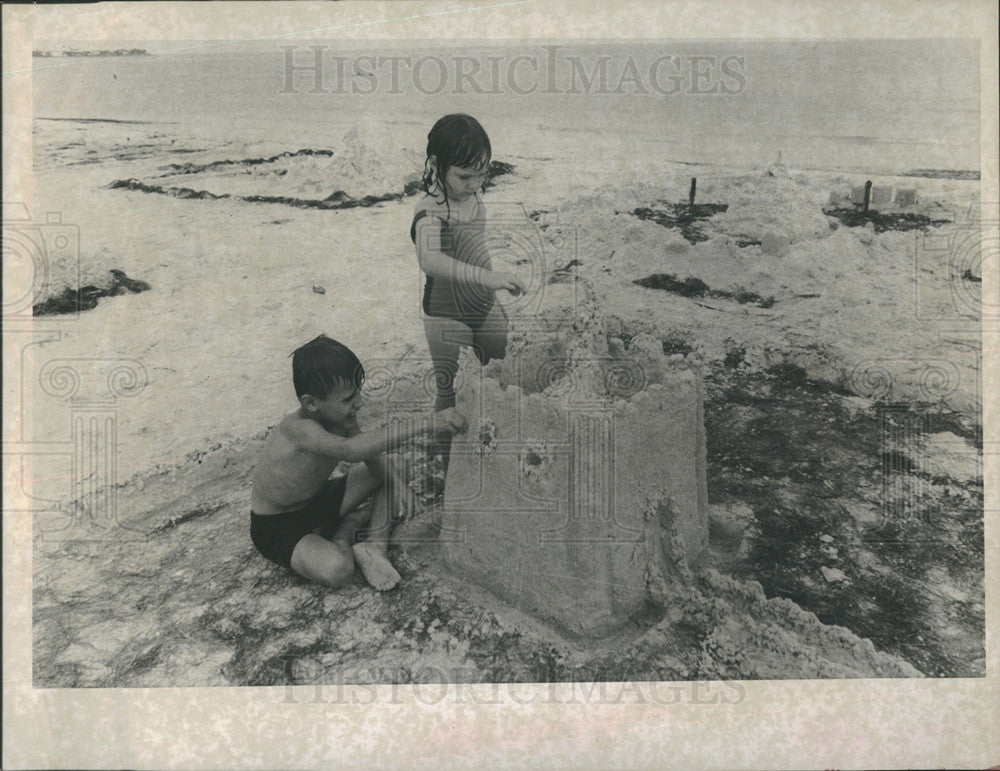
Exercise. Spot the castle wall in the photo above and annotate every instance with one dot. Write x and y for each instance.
(565, 503)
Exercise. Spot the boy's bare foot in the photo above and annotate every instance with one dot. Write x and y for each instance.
(375, 566)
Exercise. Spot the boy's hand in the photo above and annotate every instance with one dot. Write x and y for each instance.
(450, 420)
(405, 501)
(507, 281)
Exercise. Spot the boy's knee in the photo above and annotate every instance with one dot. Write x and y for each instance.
(339, 569)
(365, 481)
(373, 483)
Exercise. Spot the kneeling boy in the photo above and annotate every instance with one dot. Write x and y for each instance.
(293, 495)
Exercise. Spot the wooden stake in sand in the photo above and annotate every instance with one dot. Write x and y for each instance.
(868, 196)
(694, 186)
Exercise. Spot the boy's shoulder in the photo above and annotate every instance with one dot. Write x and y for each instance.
(298, 428)
(286, 430)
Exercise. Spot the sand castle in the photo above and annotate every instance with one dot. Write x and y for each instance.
(580, 484)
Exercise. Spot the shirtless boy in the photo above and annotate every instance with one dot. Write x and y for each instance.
(293, 495)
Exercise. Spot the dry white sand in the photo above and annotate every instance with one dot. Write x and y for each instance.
(232, 282)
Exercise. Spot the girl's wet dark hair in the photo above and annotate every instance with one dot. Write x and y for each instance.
(455, 140)
(322, 364)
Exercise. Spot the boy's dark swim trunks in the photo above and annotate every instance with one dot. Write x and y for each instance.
(275, 535)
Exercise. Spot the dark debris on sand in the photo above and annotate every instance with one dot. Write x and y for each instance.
(86, 297)
(822, 489)
(681, 215)
(695, 287)
(339, 199)
(854, 217)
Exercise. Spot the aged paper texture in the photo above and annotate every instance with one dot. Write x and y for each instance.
(727, 495)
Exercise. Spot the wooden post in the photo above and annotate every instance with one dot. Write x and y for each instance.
(868, 196)
(694, 185)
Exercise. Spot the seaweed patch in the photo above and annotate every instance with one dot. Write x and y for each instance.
(695, 287)
(687, 217)
(86, 297)
(856, 218)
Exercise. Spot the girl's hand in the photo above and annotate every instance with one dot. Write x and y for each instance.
(450, 420)
(507, 281)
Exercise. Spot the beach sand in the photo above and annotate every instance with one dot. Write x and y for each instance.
(816, 362)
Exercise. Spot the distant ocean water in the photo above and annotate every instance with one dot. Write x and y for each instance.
(881, 106)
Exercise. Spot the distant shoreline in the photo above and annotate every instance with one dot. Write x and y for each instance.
(941, 174)
(107, 120)
(90, 54)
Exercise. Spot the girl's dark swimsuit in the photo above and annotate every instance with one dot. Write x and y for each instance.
(454, 298)
(276, 535)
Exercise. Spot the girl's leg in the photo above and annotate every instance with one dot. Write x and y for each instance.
(444, 338)
(490, 338)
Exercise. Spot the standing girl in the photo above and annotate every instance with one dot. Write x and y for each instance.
(448, 230)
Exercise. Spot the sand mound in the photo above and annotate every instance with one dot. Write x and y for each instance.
(758, 204)
(364, 162)
(824, 306)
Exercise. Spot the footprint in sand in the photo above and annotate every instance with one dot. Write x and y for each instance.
(378, 571)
